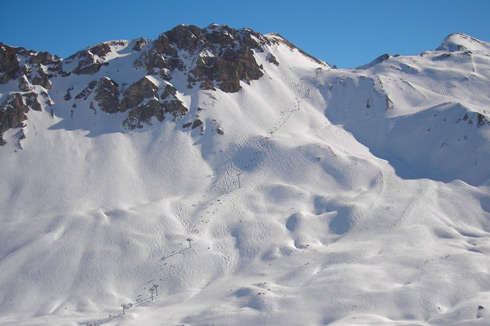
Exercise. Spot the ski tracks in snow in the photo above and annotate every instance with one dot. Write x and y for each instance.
(417, 197)
(302, 93)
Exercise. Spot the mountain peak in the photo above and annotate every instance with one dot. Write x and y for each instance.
(462, 42)
(115, 75)
(217, 53)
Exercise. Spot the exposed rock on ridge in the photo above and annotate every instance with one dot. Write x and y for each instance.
(213, 58)
(37, 67)
(32, 72)
(90, 60)
(107, 95)
(218, 54)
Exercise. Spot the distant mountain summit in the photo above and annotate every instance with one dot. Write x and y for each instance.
(463, 42)
(138, 77)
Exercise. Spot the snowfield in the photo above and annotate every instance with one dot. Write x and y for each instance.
(333, 197)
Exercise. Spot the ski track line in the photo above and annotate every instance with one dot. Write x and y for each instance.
(415, 198)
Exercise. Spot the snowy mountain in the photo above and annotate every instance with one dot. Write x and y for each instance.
(244, 182)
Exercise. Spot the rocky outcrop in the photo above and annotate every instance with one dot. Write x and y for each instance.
(41, 79)
(473, 118)
(228, 59)
(171, 103)
(137, 92)
(145, 111)
(23, 84)
(272, 59)
(13, 111)
(227, 70)
(140, 43)
(9, 64)
(482, 120)
(143, 114)
(86, 65)
(38, 69)
(196, 123)
(32, 102)
(141, 100)
(223, 56)
(175, 107)
(43, 58)
(100, 50)
(89, 60)
(168, 91)
(84, 94)
(107, 95)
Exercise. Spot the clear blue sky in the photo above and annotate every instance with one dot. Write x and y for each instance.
(347, 33)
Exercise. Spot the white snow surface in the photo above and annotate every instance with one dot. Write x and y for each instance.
(334, 197)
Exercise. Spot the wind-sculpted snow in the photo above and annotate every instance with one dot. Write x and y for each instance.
(311, 196)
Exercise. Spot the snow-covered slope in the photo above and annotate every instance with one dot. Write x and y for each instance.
(249, 181)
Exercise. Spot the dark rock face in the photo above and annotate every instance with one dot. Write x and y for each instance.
(228, 70)
(139, 44)
(171, 103)
(229, 60)
(88, 63)
(100, 50)
(67, 96)
(141, 100)
(223, 55)
(41, 79)
(84, 94)
(12, 112)
(23, 84)
(175, 107)
(9, 64)
(31, 100)
(196, 123)
(168, 91)
(153, 62)
(137, 92)
(32, 71)
(272, 59)
(107, 95)
(144, 114)
(44, 58)
(482, 120)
